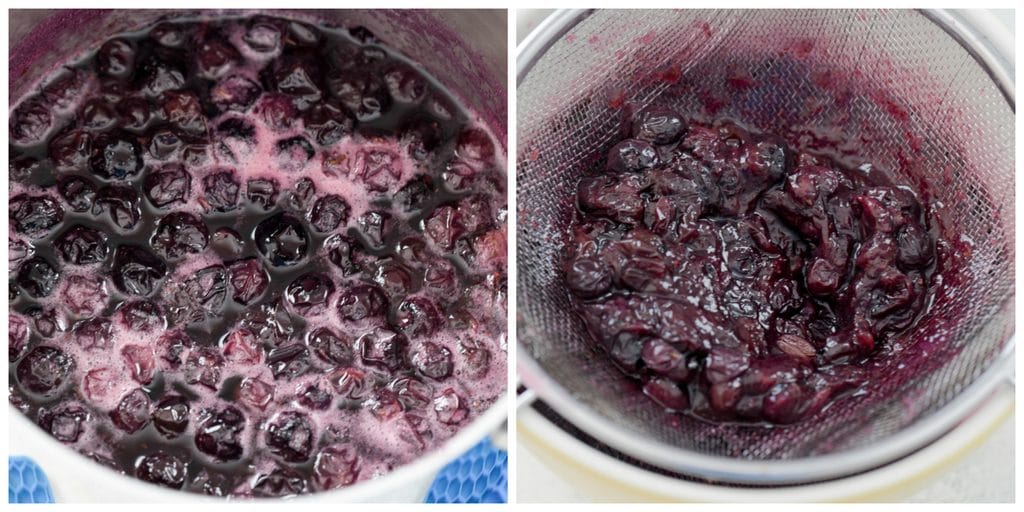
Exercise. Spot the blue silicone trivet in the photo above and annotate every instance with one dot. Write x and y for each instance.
(478, 476)
(26, 482)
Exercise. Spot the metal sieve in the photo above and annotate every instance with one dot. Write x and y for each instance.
(921, 94)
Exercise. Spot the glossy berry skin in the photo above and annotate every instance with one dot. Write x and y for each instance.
(218, 433)
(735, 280)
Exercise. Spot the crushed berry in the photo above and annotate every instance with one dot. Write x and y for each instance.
(731, 275)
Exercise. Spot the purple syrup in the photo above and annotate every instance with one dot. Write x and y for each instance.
(738, 279)
(253, 257)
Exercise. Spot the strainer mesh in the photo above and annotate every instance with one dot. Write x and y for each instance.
(891, 87)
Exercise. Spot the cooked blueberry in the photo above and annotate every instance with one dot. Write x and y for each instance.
(30, 121)
(78, 193)
(179, 234)
(280, 483)
(433, 360)
(288, 361)
(137, 271)
(362, 301)
(35, 216)
(290, 436)
(80, 245)
(658, 125)
(132, 412)
(121, 204)
(38, 277)
(116, 58)
(336, 466)
(385, 348)
(588, 277)
(418, 316)
(219, 431)
(65, 422)
(221, 191)
(171, 415)
(44, 370)
(328, 213)
(362, 93)
(115, 155)
(248, 280)
(164, 145)
(632, 156)
(162, 469)
(309, 292)
(170, 185)
(330, 347)
(261, 192)
(282, 240)
(293, 154)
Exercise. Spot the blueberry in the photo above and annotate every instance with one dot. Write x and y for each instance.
(336, 466)
(385, 348)
(632, 155)
(328, 213)
(280, 483)
(360, 302)
(657, 125)
(331, 348)
(248, 280)
(38, 277)
(169, 185)
(70, 150)
(293, 154)
(450, 407)
(44, 370)
(162, 469)
(77, 192)
(35, 216)
(290, 436)
(179, 234)
(219, 432)
(171, 416)
(309, 293)
(261, 192)
(116, 58)
(288, 361)
(220, 190)
(115, 156)
(80, 245)
(132, 412)
(418, 316)
(141, 316)
(30, 121)
(433, 360)
(588, 277)
(282, 240)
(65, 422)
(137, 271)
(121, 204)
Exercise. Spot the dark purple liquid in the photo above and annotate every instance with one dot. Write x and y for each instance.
(738, 279)
(254, 257)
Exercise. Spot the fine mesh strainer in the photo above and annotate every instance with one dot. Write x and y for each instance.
(916, 93)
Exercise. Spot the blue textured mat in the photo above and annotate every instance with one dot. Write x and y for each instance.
(478, 476)
(26, 482)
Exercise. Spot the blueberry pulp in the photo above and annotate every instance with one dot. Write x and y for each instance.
(738, 279)
(204, 326)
